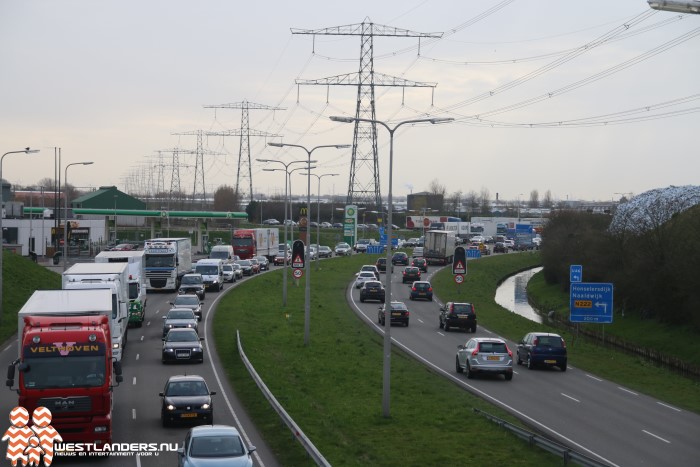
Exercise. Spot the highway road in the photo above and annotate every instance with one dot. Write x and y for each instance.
(137, 405)
(598, 418)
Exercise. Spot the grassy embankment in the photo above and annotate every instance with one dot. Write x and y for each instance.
(333, 387)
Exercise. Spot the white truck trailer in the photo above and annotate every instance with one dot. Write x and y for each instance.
(138, 297)
(439, 246)
(112, 276)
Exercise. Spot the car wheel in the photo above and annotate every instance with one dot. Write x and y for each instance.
(458, 366)
(470, 373)
(362, 300)
(406, 323)
(410, 297)
(441, 325)
(473, 329)
(517, 358)
(562, 367)
(530, 364)
(509, 376)
(379, 320)
(447, 327)
(164, 422)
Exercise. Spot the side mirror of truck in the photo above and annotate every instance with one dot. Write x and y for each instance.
(10, 375)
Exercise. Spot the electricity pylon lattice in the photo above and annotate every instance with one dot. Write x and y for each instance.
(199, 163)
(244, 165)
(363, 185)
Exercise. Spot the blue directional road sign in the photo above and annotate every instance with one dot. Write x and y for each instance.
(591, 302)
(575, 273)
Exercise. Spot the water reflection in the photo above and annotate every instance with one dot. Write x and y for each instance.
(512, 295)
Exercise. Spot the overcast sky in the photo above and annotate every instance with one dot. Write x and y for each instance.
(111, 81)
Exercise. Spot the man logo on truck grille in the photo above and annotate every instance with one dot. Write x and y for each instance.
(28, 444)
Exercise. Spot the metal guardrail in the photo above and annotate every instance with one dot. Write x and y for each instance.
(291, 424)
(569, 455)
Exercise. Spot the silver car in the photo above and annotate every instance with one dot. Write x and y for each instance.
(485, 355)
(179, 318)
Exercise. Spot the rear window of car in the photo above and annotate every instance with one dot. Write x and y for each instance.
(422, 286)
(462, 308)
(372, 284)
(550, 341)
(495, 347)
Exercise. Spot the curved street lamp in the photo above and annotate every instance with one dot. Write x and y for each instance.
(386, 393)
(2, 234)
(65, 222)
(318, 210)
(307, 292)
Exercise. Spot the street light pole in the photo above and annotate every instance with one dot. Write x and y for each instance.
(318, 211)
(307, 292)
(2, 233)
(286, 200)
(386, 393)
(65, 221)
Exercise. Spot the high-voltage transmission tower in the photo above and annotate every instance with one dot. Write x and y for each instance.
(244, 165)
(363, 187)
(199, 163)
(175, 177)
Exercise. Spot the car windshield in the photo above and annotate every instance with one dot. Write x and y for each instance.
(365, 274)
(208, 270)
(228, 268)
(216, 446)
(189, 335)
(187, 300)
(192, 280)
(186, 388)
(64, 372)
(180, 314)
(245, 263)
(493, 347)
(342, 245)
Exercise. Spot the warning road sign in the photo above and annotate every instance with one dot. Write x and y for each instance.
(298, 273)
(298, 262)
(459, 268)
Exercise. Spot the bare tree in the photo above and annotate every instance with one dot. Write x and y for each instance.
(485, 200)
(534, 199)
(437, 188)
(454, 202)
(547, 200)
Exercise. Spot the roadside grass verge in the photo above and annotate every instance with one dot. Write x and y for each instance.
(21, 277)
(633, 372)
(333, 387)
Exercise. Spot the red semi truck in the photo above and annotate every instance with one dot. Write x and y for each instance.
(249, 243)
(65, 362)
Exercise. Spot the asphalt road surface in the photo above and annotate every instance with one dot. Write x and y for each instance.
(597, 418)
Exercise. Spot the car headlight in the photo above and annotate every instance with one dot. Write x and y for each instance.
(115, 345)
(100, 429)
(205, 406)
(196, 349)
(170, 407)
(167, 349)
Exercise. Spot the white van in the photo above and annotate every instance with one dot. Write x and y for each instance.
(212, 271)
(222, 252)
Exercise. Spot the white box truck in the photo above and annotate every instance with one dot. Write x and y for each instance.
(439, 246)
(167, 260)
(112, 276)
(136, 282)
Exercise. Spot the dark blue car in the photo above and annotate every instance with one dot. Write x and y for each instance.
(542, 349)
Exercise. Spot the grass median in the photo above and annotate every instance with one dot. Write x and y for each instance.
(333, 387)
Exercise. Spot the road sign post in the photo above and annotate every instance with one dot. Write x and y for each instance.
(591, 302)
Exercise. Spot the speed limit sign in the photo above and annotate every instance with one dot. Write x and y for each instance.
(298, 273)
(459, 278)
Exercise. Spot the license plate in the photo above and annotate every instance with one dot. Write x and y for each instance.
(463, 316)
(493, 357)
(550, 361)
(421, 293)
(396, 314)
(188, 415)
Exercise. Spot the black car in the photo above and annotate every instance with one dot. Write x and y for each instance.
(186, 399)
(372, 290)
(500, 247)
(182, 345)
(458, 315)
(399, 314)
(420, 263)
(410, 274)
(193, 284)
(381, 265)
(247, 267)
(400, 258)
(542, 348)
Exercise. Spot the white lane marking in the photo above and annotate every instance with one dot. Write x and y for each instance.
(134, 381)
(158, 311)
(593, 377)
(440, 333)
(486, 330)
(480, 392)
(133, 414)
(420, 320)
(657, 437)
(668, 406)
(7, 348)
(137, 356)
(148, 323)
(572, 398)
(627, 390)
(241, 430)
(142, 338)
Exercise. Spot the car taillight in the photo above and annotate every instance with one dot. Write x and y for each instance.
(475, 352)
(430, 289)
(563, 343)
(536, 342)
(413, 289)
(510, 353)
(404, 273)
